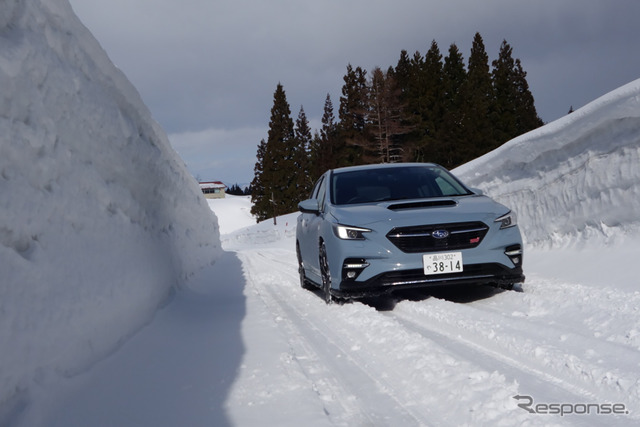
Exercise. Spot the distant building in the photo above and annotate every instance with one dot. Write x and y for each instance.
(213, 189)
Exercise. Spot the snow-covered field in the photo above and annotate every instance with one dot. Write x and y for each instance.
(101, 225)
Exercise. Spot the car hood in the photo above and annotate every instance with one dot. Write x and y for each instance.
(421, 211)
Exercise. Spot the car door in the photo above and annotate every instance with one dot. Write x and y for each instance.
(309, 232)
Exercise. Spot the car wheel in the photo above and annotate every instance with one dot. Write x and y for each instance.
(325, 273)
(303, 278)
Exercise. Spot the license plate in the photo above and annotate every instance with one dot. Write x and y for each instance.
(450, 262)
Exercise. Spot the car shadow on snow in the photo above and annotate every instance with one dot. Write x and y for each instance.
(462, 294)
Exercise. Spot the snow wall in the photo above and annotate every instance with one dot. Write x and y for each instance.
(574, 180)
(99, 218)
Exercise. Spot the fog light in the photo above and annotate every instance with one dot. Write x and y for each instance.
(352, 267)
(515, 254)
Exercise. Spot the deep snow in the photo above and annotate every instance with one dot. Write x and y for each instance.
(101, 221)
(245, 345)
(575, 180)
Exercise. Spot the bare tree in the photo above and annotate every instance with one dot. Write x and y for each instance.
(386, 116)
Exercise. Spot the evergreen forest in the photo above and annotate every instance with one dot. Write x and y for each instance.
(428, 108)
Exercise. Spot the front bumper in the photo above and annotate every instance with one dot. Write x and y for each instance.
(379, 264)
(494, 274)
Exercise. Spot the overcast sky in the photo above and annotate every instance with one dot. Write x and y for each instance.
(207, 69)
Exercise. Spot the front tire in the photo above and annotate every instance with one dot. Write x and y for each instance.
(326, 274)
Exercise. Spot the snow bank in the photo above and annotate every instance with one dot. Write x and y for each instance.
(99, 218)
(574, 180)
(281, 235)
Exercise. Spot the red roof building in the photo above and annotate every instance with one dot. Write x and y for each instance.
(213, 189)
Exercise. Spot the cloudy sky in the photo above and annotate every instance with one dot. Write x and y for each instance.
(207, 69)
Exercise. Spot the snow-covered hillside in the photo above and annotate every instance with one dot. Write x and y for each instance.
(99, 219)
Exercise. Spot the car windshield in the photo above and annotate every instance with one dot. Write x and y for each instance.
(394, 183)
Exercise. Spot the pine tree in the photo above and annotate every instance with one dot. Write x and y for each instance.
(504, 84)
(451, 134)
(528, 118)
(405, 74)
(515, 110)
(275, 171)
(478, 104)
(352, 113)
(260, 199)
(413, 100)
(432, 104)
(325, 144)
(303, 138)
(402, 73)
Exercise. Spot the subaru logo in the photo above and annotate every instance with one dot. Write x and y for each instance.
(440, 234)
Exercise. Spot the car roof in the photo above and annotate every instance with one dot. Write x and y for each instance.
(382, 166)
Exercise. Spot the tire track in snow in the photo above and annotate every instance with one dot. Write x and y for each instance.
(376, 358)
(496, 343)
(492, 360)
(559, 333)
(481, 335)
(350, 395)
(572, 310)
(547, 334)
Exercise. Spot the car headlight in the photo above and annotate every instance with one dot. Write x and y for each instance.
(350, 233)
(507, 220)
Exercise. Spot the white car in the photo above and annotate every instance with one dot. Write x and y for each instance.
(370, 230)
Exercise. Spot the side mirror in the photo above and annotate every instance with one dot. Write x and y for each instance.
(477, 191)
(309, 206)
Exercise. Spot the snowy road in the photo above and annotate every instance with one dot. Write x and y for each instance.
(451, 359)
(245, 345)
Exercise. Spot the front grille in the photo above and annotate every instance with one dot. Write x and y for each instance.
(462, 235)
(472, 272)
